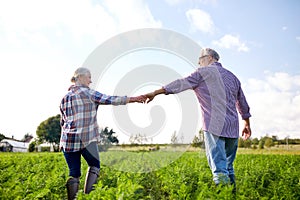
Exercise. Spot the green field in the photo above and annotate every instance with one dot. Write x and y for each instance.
(151, 175)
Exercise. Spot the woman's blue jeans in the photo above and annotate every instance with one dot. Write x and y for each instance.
(220, 153)
(90, 154)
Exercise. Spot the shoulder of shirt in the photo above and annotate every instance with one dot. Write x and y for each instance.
(74, 90)
(210, 68)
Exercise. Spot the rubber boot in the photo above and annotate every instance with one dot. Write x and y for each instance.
(72, 187)
(91, 179)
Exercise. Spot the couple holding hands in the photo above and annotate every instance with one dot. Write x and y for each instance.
(219, 94)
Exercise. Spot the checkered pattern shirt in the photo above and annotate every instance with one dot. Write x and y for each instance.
(79, 116)
(220, 96)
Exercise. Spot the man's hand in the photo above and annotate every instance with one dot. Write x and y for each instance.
(138, 99)
(150, 96)
(246, 133)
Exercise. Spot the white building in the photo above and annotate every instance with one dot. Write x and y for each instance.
(13, 146)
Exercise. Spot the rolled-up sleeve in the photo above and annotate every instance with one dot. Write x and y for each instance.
(107, 99)
(242, 105)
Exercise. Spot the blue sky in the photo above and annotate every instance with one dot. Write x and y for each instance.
(43, 42)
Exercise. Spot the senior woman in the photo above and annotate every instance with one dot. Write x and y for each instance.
(80, 133)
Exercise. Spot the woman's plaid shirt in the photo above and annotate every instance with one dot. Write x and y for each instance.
(79, 116)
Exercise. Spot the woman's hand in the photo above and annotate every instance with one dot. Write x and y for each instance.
(138, 99)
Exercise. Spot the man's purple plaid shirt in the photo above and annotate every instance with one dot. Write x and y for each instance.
(79, 116)
(220, 95)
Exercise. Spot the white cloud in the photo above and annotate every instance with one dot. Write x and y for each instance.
(39, 51)
(177, 2)
(79, 18)
(174, 2)
(274, 103)
(200, 20)
(298, 38)
(283, 81)
(231, 42)
(131, 14)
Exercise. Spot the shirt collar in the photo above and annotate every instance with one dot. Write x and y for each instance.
(77, 86)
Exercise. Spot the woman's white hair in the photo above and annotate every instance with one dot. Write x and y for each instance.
(78, 72)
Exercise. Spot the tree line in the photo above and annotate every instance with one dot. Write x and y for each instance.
(49, 131)
(253, 143)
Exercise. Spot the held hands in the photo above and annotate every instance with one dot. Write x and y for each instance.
(150, 96)
(146, 98)
(137, 99)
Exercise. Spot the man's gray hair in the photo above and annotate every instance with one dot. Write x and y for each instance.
(210, 52)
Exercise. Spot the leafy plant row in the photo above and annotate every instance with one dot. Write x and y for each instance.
(150, 175)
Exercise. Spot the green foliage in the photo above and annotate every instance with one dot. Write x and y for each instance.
(255, 141)
(107, 139)
(241, 143)
(43, 176)
(32, 176)
(49, 130)
(198, 139)
(261, 144)
(2, 136)
(196, 142)
(244, 143)
(31, 147)
(269, 142)
(27, 137)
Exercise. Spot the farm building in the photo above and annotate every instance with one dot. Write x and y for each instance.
(13, 146)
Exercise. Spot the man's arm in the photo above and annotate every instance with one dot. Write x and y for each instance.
(151, 95)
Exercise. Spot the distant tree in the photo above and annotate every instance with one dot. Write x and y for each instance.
(255, 141)
(269, 142)
(241, 142)
(196, 142)
(109, 136)
(138, 139)
(2, 136)
(201, 135)
(27, 137)
(274, 138)
(107, 139)
(247, 143)
(198, 139)
(261, 143)
(49, 131)
(32, 146)
(174, 139)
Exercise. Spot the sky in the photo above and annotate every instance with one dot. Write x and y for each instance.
(43, 42)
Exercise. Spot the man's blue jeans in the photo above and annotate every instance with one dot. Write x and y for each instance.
(90, 154)
(220, 153)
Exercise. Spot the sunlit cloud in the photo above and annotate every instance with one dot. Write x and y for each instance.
(274, 103)
(42, 42)
(83, 18)
(231, 42)
(177, 2)
(200, 21)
